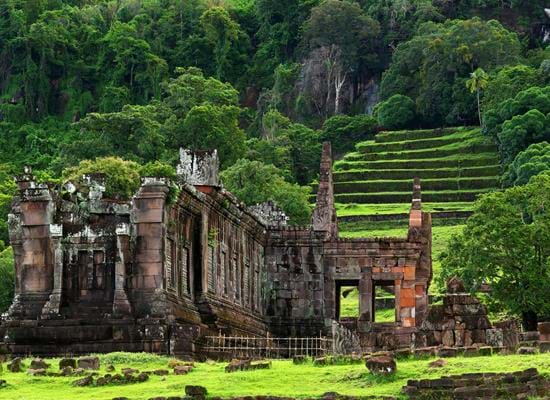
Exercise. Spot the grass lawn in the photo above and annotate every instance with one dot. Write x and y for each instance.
(284, 379)
(354, 209)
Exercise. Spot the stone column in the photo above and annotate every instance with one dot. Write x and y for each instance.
(52, 306)
(121, 304)
(365, 301)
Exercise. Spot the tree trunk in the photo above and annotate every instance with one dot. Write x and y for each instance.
(339, 80)
(529, 320)
(479, 109)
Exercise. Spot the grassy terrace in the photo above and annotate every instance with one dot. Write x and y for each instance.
(456, 165)
(354, 209)
(283, 379)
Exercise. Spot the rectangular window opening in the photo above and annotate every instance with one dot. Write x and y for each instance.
(384, 302)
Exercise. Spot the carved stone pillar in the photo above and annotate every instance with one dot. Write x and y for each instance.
(121, 304)
(52, 306)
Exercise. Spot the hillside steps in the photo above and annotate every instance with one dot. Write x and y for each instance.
(456, 165)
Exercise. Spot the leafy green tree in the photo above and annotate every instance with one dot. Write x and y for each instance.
(294, 148)
(477, 82)
(344, 131)
(531, 162)
(212, 127)
(506, 243)
(254, 182)
(507, 83)
(122, 178)
(129, 60)
(521, 131)
(135, 133)
(432, 67)
(190, 88)
(279, 25)
(340, 40)
(158, 169)
(534, 98)
(222, 32)
(398, 112)
(7, 278)
(343, 25)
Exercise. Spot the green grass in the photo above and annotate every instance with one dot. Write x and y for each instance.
(380, 185)
(452, 161)
(284, 379)
(419, 134)
(354, 209)
(405, 197)
(429, 173)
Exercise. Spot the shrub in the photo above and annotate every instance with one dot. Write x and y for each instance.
(255, 182)
(121, 176)
(528, 163)
(521, 131)
(344, 131)
(397, 112)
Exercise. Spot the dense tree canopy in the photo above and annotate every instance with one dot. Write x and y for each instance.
(255, 182)
(433, 66)
(528, 163)
(506, 243)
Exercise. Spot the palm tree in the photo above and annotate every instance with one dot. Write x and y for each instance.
(477, 82)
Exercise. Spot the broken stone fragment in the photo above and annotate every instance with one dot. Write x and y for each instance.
(39, 363)
(88, 363)
(527, 350)
(16, 365)
(437, 363)
(67, 362)
(237, 365)
(36, 372)
(382, 365)
(161, 372)
(195, 391)
(455, 285)
(127, 371)
(87, 381)
(182, 369)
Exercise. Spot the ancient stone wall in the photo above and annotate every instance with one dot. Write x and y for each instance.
(158, 272)
(294, 289)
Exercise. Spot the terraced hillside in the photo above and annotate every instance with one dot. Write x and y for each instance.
(455, 166)
(373, 184)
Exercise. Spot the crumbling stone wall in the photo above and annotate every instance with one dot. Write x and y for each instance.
(159, 271)
(295, 288)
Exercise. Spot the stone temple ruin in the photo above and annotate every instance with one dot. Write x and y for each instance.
(162, 271)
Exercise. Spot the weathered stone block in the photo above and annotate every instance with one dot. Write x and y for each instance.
(38, 363)
(447, 352)
(382, 365)
(67, 362)
(527, 350)
(16, 365)
(88, 363)
(195, 391)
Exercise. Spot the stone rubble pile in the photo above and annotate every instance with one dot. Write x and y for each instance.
(517, 385)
